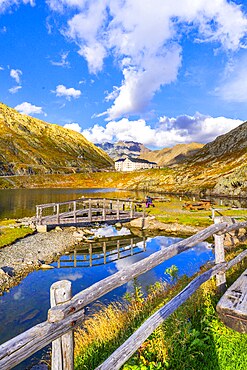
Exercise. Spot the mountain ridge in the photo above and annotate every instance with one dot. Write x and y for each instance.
(30, 146)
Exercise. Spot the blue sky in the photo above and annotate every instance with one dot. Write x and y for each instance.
(161, 72)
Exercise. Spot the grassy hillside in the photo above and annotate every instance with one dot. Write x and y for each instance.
(175, 155)
(31, 146)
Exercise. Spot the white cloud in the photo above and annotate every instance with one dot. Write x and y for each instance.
(16, 75)
(69, 93)
(63, 61)
(73, 126)
(15, 89)
(145, 41)
(167, 133)
(1, 68)
(6, 4)
(233, 87)
(27, 108)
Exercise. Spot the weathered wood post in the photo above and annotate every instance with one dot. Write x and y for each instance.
(74, 210)
(118, 209)
(104, 252)
(90, 210)
(104, 210)
(131, 246)
(63, 347)
(219, 257)
(58, 218)
(131, 210)
(213, 214)
(118, 249)
(90, 255)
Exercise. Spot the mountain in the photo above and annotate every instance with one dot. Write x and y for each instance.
(219, 168)
(171, 156)
(123, 149)
(31, 146)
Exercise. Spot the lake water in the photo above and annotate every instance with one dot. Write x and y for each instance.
(18, 203)
(27, 304)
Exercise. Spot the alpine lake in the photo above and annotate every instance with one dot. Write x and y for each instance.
(27, 304)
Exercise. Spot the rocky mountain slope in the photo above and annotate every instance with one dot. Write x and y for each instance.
(220, 167)
(31, 146)
(123, 149)
(171, 156)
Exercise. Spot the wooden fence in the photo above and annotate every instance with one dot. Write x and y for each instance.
(87, 210)
(66, 313)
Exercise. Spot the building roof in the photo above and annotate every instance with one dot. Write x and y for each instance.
(135, 160)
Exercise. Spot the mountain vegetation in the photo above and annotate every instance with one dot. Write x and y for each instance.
(63, 158)
(31, 146)
(171, 156)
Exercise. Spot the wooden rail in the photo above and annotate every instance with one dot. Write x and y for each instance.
(87, 210)
(64, 317)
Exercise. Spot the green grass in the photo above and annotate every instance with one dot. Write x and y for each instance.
(9, 232)
(193, 338)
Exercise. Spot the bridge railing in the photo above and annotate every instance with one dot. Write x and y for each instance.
(87, 210)
(68, 312)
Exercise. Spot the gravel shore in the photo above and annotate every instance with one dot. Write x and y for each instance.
(28, 254)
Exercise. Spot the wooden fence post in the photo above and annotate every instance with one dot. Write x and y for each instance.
(58, 218)
(74, 210)
(118, 213)
(90, 210)
(104, 210)
(219, 257)
(63, 347)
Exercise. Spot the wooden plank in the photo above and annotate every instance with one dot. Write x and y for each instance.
(232, 307)
(130, 346)
(104, 286)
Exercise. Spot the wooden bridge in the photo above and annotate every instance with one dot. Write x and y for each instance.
(97, 252)
(87, 210)
(67, 312)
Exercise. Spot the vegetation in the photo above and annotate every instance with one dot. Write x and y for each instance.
(32, 146)
(10, 232)
(191, 338)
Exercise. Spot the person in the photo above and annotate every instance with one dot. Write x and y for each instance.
(149, 201)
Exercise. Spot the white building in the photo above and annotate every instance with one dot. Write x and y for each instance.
(133, 164)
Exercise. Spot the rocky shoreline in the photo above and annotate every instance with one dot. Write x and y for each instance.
(30, 253)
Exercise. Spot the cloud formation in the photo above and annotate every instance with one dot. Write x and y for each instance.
(63, 61)
(27, 108)
(15, 89)
(16, 75)
(167, 133)
(146, 41)
(69, 93)
(6, 4)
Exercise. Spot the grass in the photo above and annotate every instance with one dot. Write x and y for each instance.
(191, 338)
(10, 232)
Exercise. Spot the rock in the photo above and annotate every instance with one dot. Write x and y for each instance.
(2, 273)
(88, 232)
(118, 225)
(58, 229)
(46, 267)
